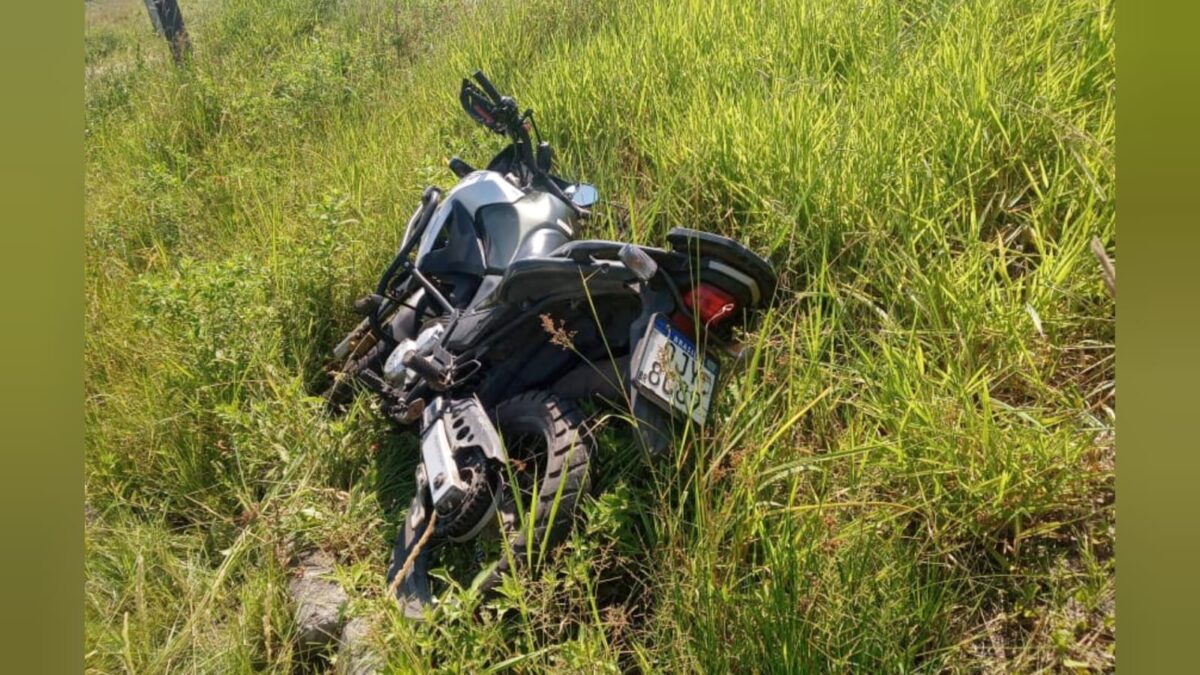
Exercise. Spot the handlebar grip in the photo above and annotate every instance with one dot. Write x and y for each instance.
(459, 167)
(487, 85)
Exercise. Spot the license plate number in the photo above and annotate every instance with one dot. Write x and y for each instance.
(673, 373)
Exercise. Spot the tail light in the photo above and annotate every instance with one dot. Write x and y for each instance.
(709, 304)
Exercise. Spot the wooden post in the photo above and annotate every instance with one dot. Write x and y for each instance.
(168, 22)
(152, 10)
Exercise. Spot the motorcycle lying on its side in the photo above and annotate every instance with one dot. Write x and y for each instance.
(492, 321)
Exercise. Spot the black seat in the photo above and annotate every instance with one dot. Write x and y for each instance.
(533, 279)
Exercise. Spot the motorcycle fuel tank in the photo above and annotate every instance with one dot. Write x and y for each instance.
(474, 191)
(515, 223)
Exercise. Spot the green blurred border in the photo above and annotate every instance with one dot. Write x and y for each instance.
(1158, 337)
(41, 189)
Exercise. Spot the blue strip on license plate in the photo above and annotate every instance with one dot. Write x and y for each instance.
(662, 325)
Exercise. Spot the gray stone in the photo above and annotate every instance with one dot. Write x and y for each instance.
(319, 601)
(356, 657)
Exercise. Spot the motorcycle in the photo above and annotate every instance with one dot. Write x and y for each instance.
(493, 322)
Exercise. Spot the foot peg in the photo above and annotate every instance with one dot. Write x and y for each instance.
(368, 304)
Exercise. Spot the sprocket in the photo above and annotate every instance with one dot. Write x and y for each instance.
(478, 504)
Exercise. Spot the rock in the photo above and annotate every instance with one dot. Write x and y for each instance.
(319, 602)
(356, 657)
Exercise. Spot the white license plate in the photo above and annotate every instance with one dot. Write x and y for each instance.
(671, 372)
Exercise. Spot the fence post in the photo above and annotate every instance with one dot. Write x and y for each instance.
(168, 22)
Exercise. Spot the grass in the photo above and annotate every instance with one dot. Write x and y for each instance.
(916, 473)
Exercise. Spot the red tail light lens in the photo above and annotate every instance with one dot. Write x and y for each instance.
(710, 304)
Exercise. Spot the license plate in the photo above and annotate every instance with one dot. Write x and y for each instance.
(672, 373)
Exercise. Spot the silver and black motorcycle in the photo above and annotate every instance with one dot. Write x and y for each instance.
(493, 321)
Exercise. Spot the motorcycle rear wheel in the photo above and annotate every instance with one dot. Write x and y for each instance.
(549, 448)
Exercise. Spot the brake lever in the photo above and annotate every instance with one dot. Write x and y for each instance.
(476, 104)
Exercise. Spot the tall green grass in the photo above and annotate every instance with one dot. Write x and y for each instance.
(914, 473)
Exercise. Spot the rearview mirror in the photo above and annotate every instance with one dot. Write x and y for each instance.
(584, 195)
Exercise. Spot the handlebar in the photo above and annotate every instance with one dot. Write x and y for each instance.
(509, 121)
(487, 86)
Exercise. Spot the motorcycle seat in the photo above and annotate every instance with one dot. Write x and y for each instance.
(537, 278)
(587, 250)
